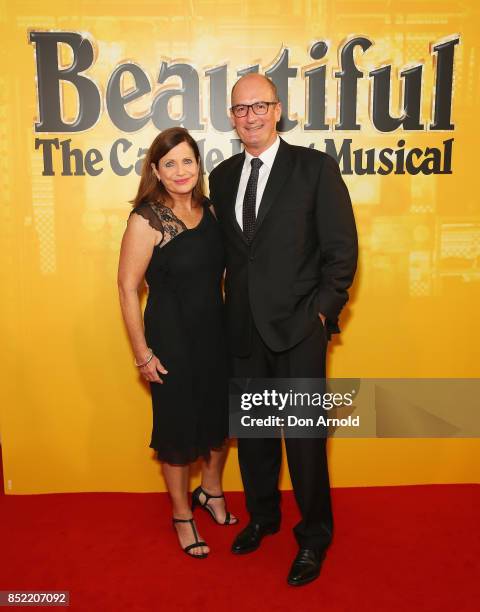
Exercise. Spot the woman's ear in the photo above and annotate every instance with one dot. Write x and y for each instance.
(154, 170)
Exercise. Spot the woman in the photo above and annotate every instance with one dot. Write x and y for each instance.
(172, 239)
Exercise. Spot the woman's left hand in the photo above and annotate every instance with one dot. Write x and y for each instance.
(151, 369)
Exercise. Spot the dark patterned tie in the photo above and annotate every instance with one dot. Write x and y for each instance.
(250, 199)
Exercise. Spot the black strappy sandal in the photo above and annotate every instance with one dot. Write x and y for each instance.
(229, 520)
(197, 542)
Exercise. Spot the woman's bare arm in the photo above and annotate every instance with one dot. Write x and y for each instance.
(135, 253)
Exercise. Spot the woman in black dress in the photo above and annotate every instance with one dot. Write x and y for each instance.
(173, 241)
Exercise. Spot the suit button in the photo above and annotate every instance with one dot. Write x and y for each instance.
(251, 257)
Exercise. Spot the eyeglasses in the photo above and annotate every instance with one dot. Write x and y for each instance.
(259, 108)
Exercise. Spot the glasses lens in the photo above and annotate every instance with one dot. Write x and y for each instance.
(260, 108)
(240, 110)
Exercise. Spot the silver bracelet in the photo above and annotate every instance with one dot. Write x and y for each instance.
(150, 357)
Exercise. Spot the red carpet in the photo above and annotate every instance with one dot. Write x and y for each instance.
(398, 548)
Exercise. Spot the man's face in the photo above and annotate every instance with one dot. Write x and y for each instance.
(257, 132)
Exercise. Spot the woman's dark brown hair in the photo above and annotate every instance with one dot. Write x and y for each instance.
(150, 188)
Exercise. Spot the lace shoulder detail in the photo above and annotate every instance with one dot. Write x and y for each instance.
(146, 211)
(162, 219)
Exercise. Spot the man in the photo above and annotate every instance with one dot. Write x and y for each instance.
(291, 250)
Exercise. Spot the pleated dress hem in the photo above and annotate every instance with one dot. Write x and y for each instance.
(176, 456)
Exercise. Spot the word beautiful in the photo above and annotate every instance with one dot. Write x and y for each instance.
(49, 76)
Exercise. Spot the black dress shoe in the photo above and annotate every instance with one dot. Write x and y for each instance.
(249, 538)
(306, 566)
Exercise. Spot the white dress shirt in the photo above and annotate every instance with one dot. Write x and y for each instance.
(267, 158)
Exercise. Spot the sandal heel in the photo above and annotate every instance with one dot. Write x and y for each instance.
(196, 502)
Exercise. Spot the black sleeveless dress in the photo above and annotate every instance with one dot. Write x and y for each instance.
(185, 327)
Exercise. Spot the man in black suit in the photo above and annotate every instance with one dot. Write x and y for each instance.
(291, 248)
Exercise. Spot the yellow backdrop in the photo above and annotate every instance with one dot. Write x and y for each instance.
(74, 415)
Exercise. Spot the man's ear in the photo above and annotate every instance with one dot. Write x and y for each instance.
(232, 119)
(278, 111)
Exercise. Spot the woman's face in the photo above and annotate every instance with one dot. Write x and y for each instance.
(178, 170)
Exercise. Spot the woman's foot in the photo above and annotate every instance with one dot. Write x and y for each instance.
(190, 540)
(214, 502)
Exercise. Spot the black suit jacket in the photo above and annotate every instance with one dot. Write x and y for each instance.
(302, 257)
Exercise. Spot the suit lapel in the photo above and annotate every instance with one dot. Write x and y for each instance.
(234, 180)
(282, 166)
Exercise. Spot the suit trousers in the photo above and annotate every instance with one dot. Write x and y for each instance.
(260, 459)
